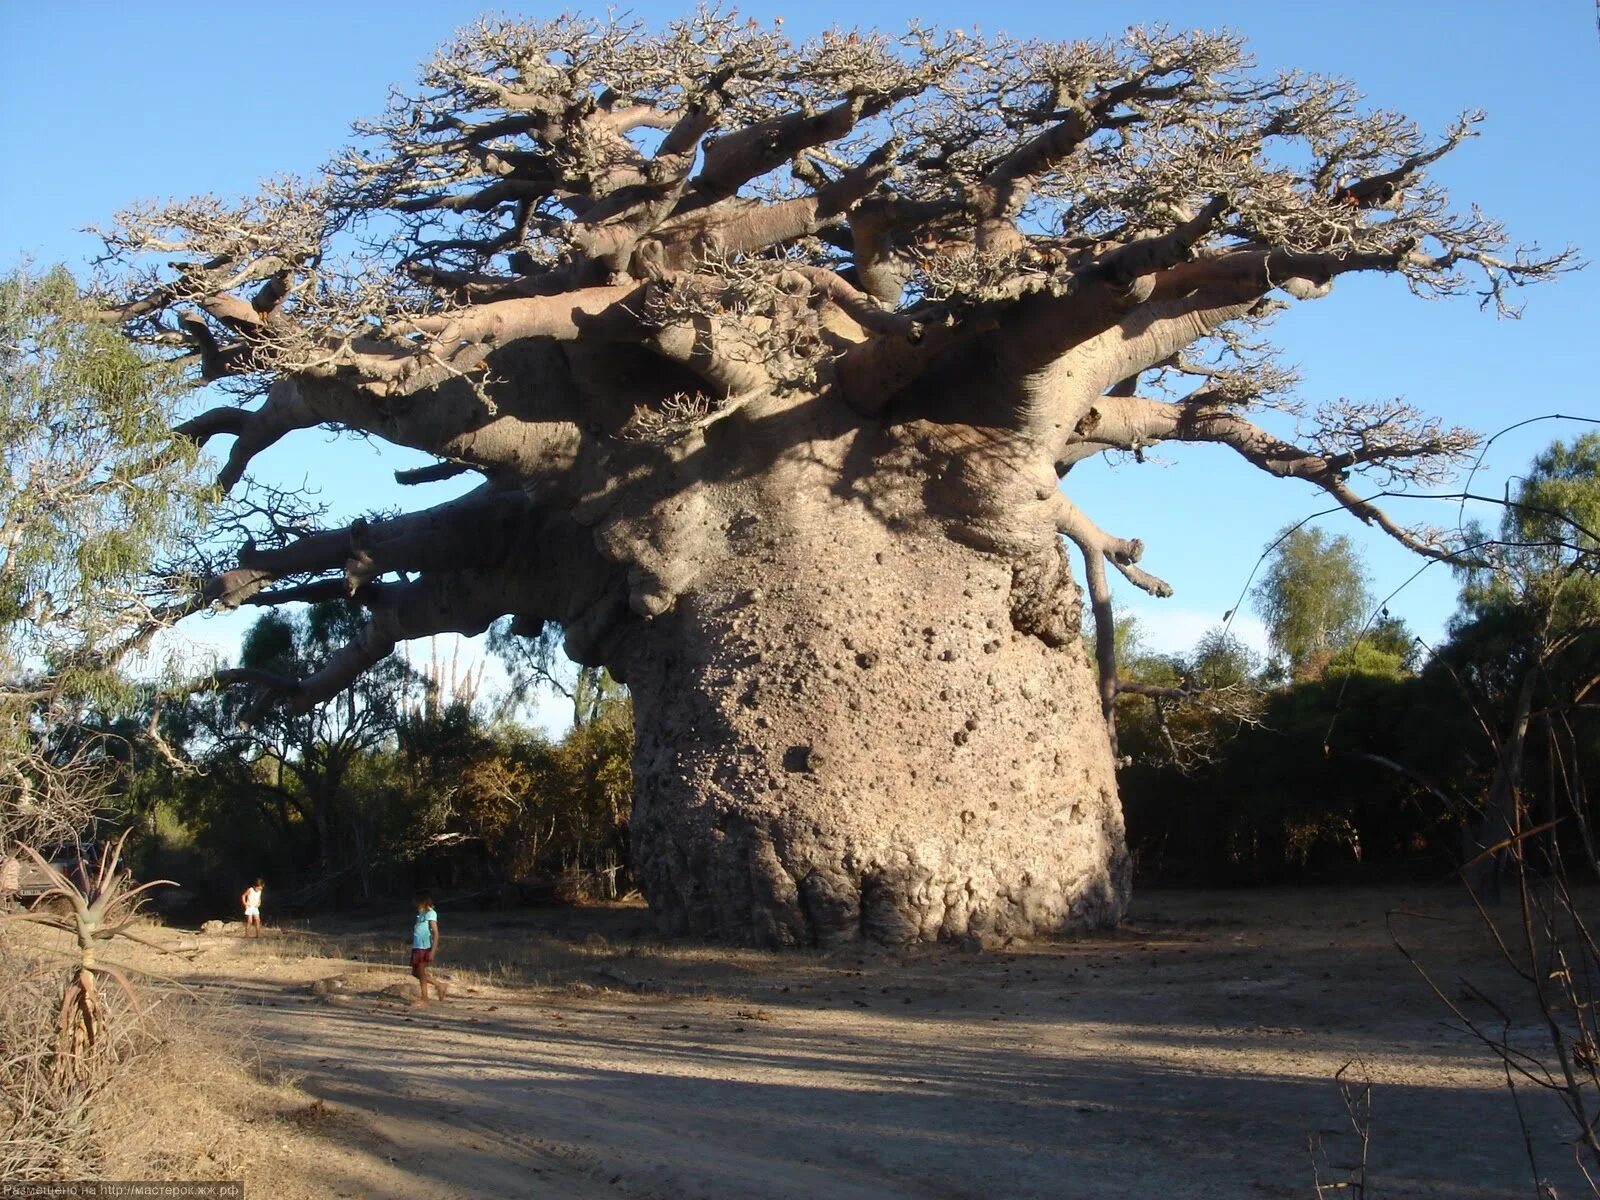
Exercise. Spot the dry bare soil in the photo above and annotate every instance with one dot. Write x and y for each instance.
(1191, 1053)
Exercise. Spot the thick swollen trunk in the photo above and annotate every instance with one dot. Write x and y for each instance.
(856, 731)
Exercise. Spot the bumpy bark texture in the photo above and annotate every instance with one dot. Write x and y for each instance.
(859, 726)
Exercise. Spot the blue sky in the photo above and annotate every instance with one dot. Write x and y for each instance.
(105, 103)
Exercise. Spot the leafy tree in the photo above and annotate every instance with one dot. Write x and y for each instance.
(770, 357)
(1544, 560)
(1372, 762)
(1313, 596)
(412, 777)
(532, 666)
(532, 662)
(596, 759)
(1363, 657)
(528, 811)
(298, 766)
(1222, 660)
(1391, 636)
(596, 696)
(95, 488)
(1363, 766)
(1529, 633)
(1127, 638)
(1180, 711)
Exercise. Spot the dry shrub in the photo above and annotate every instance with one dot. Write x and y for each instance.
(184, 1115)
(77, 1125)
(166, 1095)
(47, 1126)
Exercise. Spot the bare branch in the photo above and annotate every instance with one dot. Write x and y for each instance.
(1097, 548)
(1133, 423)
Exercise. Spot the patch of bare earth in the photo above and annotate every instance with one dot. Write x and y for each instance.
(1190, 1053)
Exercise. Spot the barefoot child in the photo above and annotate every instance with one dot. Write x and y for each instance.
(424, 944)
(252, 908)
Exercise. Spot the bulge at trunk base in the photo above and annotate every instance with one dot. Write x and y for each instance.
(847, 735)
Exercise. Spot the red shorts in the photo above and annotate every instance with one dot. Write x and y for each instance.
(421, 957)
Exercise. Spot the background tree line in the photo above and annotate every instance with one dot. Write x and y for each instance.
(414, 776)
(1356, 745)
(1351, 747)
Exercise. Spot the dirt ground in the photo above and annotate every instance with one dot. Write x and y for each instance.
(1191, 1053)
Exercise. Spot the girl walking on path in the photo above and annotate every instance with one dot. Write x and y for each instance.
(424, 945)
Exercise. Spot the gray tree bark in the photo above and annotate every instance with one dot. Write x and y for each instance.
(859, 726)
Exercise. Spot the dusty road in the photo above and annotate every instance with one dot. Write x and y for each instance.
(1190, 1054)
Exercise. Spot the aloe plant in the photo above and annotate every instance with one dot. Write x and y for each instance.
(102, 910)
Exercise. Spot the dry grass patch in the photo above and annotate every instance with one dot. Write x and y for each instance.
(47, 1126)
(175, 1091)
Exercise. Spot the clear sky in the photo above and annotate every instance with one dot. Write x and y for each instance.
(105, 103)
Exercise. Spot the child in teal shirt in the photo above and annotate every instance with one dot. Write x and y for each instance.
(424, 945)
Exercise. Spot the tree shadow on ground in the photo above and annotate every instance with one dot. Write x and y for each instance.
(1188, 1055)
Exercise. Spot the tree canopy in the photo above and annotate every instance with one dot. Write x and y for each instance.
(1544, 558)
(1313, 595)
(95, 492)
(725, 216)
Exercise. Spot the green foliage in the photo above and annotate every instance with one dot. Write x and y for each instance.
(1221, 660)
(1393, 637)
(406, 779)
(1531, 610)
(1365, 758)
(1545, 560)
(1313, 784)
(1365, 658)
(531, 663)
(597, 696)
(269, 644)
(1179, 735)
(1533, 601)
(1127, 637)
(534, 664)
(94, 491)
(95, 487)
(522, 810)
(296, 796)
(1313, 597)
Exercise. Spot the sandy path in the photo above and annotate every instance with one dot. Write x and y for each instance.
(1190, 1055)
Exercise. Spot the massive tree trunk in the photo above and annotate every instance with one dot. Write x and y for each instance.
(859, 725)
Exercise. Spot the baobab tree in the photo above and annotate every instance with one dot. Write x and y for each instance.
(770, 357)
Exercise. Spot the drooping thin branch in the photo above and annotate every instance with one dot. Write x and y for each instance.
(1133, 423)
